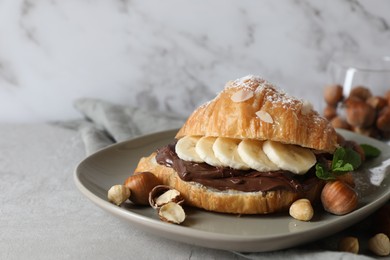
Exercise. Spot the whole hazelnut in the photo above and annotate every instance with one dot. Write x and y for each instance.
(338, 198)
(360, 114)
(333, 94)
(349, 244)
(140, 185)
(383, 121)
(377, 102)
(347, 178)
(371, 131)
(330, 112)
(361, 92)
(339, 122)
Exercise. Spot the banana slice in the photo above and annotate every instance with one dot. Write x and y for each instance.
(185, 149)
(289, 157)
(204, 148)
(251, 152)
(225, 149)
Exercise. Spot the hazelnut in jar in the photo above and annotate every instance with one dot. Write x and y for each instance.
(358, 98)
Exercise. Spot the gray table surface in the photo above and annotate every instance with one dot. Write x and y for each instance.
(44, 216)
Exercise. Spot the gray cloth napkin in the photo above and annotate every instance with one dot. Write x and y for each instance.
(108, 123)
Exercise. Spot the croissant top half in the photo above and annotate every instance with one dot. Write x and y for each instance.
(252, 108)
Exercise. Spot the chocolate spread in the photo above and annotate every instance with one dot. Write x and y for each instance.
(224, 178)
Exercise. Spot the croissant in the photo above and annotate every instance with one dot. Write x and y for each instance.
(249, 118)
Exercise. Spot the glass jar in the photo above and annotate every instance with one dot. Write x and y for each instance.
(359, 97)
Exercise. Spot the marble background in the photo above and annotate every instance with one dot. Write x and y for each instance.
(172, 55)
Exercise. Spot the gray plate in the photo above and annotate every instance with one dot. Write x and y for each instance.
(257, 233)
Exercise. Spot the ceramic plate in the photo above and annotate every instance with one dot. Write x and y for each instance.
(97, 173)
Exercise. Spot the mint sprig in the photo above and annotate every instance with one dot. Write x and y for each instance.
(344, 160)
(370, 151)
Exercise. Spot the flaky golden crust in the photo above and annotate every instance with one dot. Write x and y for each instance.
(231, 201)
(294, 122)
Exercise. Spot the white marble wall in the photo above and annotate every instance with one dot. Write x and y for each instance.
(172, 55)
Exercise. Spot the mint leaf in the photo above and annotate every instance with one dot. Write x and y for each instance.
(352, 157)
(323, 173)
(344, 160)
(337, 157)
(344, 168)
(370, 151)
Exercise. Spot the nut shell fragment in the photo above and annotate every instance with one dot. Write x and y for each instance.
(162, 194)
(172, 212)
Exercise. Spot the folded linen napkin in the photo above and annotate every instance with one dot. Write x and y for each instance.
(108, 123)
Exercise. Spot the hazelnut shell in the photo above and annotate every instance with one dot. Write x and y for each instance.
(140, 185)
(338, 198)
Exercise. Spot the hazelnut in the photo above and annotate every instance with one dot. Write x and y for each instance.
(339, 122)
(172, 212)
(301, 210)
(350, 100)
(118, 194)
(383, 121)
(361, 92)
(377, 102)
(379, 244)
(333, 94)
(140, 185)
(349, 244)
(368, 131)
(347, 178)
(359, 114)
(330, 112)
(163, 194)
(338, 198)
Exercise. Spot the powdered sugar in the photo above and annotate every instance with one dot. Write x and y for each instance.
(282, 98)
(273, 94)
(248, 82)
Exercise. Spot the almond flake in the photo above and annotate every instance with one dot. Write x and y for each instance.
(242, 95)
(264, 116)
(307, 107)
